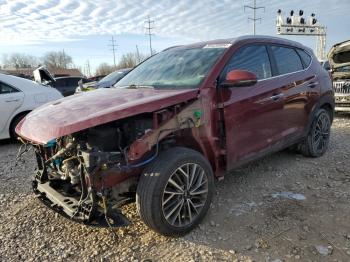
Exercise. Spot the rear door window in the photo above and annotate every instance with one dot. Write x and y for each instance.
(287, 60)
(253, 58)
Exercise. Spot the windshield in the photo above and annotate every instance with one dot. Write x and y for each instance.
(113, 77)
(174, 68)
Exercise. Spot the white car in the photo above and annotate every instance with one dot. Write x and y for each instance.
(19, 96)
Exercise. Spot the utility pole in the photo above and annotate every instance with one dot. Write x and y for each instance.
(64, 59)
(149, 26)
(254, 19)
(138, 54)
(88, 72)
(113, 45)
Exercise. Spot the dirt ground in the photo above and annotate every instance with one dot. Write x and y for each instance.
(282, 208)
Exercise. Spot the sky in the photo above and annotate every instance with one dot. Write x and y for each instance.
(83, 29)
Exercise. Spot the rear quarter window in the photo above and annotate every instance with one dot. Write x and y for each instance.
(6, 89)
(287, 60)
(305, 57)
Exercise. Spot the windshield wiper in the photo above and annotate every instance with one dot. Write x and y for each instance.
(133, 86)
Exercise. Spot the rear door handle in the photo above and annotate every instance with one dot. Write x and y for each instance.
(312, 84)
(11, 100)
(276, 96)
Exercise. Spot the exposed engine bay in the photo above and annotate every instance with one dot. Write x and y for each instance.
(87, 175)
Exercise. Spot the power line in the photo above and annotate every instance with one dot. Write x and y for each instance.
(149, 26)
(254, 19)
(113, 45)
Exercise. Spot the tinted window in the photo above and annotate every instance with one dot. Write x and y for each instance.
(60, 83)
(73, 81)
(253, 58)
(6, 89)
(287, 60)
(305, 57)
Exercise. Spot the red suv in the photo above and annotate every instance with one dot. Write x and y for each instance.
(171, 126)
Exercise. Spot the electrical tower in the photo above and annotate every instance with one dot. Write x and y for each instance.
(254, 19)
(321, 43)
(113, 46)
(149, 26)
(298, 24)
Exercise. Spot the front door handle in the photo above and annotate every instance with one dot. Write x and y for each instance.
(276, 96)
(312, 84)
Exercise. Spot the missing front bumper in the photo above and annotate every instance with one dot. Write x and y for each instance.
(87, 212)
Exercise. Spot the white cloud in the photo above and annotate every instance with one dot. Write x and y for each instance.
(39, 21)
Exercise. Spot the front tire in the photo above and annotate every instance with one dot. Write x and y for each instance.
(317, 140)
(175, 191)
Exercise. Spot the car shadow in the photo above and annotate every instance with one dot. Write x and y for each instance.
(8, 141)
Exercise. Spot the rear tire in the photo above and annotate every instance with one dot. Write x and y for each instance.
(175, 191)
(13, 125)
(317, 140)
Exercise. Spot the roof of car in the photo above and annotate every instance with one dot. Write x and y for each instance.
(19, 82)
(248, 38)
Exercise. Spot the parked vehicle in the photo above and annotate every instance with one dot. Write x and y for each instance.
(96, 78)
(339, 60)
(65, 84)
(174, 123)
(19, 96)
(325, 65)
(106, 82)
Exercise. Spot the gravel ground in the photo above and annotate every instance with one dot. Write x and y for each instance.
(282, 208)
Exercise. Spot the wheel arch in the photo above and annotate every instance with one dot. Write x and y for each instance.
(13, 120)
(325, 102)
(189, 140)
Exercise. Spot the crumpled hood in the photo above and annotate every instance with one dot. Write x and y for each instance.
(339, 55)
(88, 109)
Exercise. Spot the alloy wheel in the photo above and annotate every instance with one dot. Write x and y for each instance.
(185, 195)
(321, 133)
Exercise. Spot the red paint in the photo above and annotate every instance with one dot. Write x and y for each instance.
(235, 77)
(254, 124)
(88, 109)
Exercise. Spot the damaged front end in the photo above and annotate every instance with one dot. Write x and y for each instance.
(339, 60)
(86, 176)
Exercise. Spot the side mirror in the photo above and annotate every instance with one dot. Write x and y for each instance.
(239, 78)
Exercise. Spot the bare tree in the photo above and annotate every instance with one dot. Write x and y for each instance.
(19, 60)
(58, 59)
(104, 69)
(131, 60)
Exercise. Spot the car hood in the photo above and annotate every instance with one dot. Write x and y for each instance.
(89, 109)
(339, 55)
(42, 75)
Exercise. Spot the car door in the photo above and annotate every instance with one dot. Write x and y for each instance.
(299, 87)
(10, 100)
(251, 114)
